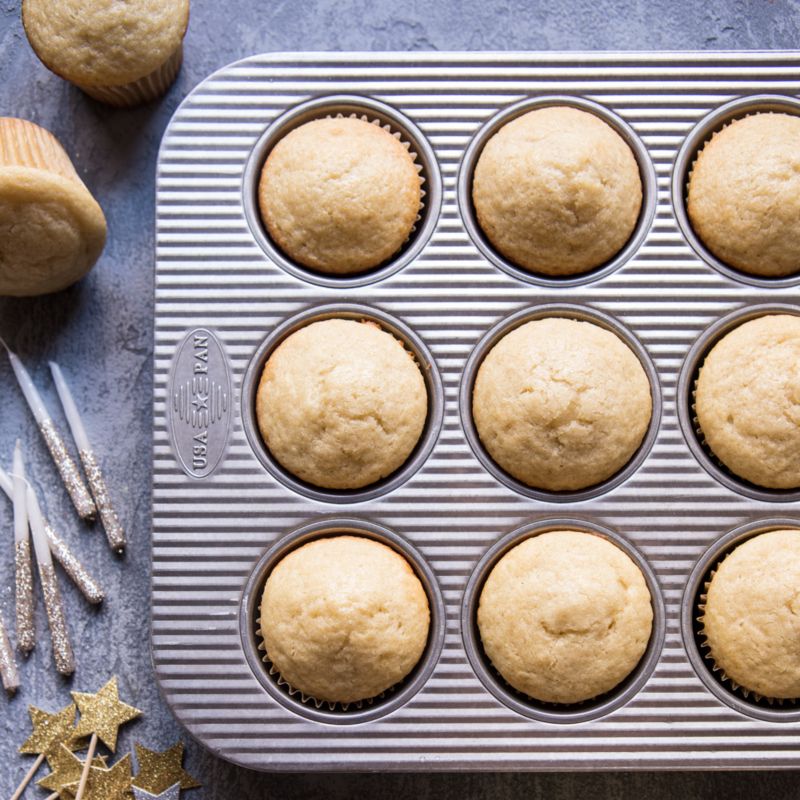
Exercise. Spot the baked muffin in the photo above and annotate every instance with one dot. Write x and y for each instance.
(339, 195)
(561, 404)
(744, 194)
(52, 230)
(557, 191)
(122, 53)
(344, 619)
(748, 401)
(565, 616)
(341, 404)
(751, 620)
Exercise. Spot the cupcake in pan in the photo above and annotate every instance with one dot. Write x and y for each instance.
(743, 196)
(557, 191)
(561, 404)
(343, 619)
(747, 401)
(52, 230)
(341, 403)
(565, 616)
(340, 195)
(122, 53)
(750, 616)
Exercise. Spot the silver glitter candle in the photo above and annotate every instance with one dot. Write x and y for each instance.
(8, 665)
(88, 586)
(91, 467)
(68, 470)
(62, 649)
(23, 571)
(55, 444)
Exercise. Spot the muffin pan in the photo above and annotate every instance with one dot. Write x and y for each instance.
(222, 511)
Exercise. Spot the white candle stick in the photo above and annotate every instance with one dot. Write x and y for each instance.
(23, 571)
(91, 467)
(32, 396)
(88, 586)
(55, 444)
(62, 649)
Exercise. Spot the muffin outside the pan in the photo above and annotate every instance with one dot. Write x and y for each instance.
(561, 404)
(52, 231)
(565, 616)
(557, 191)
(743, 197)
(748, 401)
(751, 616)
(343, 619)
(341, 403)
(340, 195)
(121, 53)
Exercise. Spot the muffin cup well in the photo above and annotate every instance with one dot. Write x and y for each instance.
(687, 416)
(294, 700)
(692, 607)
(473, 152)
(681, 172)
(565, 713)
(372, 111)
(568, 311)
(412, 343)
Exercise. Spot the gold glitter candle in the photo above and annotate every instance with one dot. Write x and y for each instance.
(8, 666)
(23, 572)
(62, 649)
(91, 467)
(67, 468)
(88, 586)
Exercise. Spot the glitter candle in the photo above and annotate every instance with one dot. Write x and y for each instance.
(88, 586)
(8, 666)
(91, 466)
(55, 444)
(62, 649)
(23, 571)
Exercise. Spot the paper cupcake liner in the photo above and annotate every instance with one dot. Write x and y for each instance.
(412, 152)
(142, 90)
(409, 145)
(24, 144)
(306, 699)
(706, 447)
(717, 670)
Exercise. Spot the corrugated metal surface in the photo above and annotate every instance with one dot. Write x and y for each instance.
(209, 533)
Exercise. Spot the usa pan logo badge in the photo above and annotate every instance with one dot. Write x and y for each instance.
(199, 403)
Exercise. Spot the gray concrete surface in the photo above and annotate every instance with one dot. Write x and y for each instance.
(101, 333)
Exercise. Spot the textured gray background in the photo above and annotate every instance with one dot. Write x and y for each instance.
(101, 334)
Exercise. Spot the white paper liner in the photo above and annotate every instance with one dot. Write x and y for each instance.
(719, 672)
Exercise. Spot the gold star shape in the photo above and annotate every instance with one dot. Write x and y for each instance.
(158, 771)
(49, 730)
(66, 768)
(103, 713)
(107, 784)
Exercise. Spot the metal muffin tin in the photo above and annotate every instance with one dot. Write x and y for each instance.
(222, 512)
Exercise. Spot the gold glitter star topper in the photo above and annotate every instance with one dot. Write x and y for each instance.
(66, 768)
(107, 784)
(49, 732)
(103, 713)
(158, 771)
